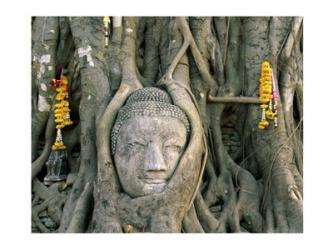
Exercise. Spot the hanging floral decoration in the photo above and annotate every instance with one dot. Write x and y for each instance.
(106, 27)
(61, 108)
(268, 96)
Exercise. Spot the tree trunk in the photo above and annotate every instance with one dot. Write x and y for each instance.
(232, 177)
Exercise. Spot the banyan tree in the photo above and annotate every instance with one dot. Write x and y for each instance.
(167, 124)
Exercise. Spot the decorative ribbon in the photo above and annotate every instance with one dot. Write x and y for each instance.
(275, 99)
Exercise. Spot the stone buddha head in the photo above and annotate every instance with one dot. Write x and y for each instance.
(148, 140)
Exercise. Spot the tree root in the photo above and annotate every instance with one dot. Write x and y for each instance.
(151, 57)
(210, 194)
(53, 202)
(204, 71)
(38, 164)
(78, 222)
(115, 46)
(183, 97)
(296, 26)
(39, 121)
(191, 223)
(207, 220)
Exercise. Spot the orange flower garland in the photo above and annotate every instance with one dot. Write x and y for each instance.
(266, 96)
(61, 109)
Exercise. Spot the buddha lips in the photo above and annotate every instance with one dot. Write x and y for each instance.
(61, 109)
(268, 96)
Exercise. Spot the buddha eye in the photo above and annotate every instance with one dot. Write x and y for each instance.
(136, 144)
(173, 148)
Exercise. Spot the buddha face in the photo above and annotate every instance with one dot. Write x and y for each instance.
(147, 153)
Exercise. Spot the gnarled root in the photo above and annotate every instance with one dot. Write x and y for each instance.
(50, 201)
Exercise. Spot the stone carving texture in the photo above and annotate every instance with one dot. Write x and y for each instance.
(148, 139)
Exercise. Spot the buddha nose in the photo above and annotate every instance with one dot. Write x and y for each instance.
(154, 160)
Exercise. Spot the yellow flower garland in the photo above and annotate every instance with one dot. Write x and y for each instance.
(61, 110)
(266, 96)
